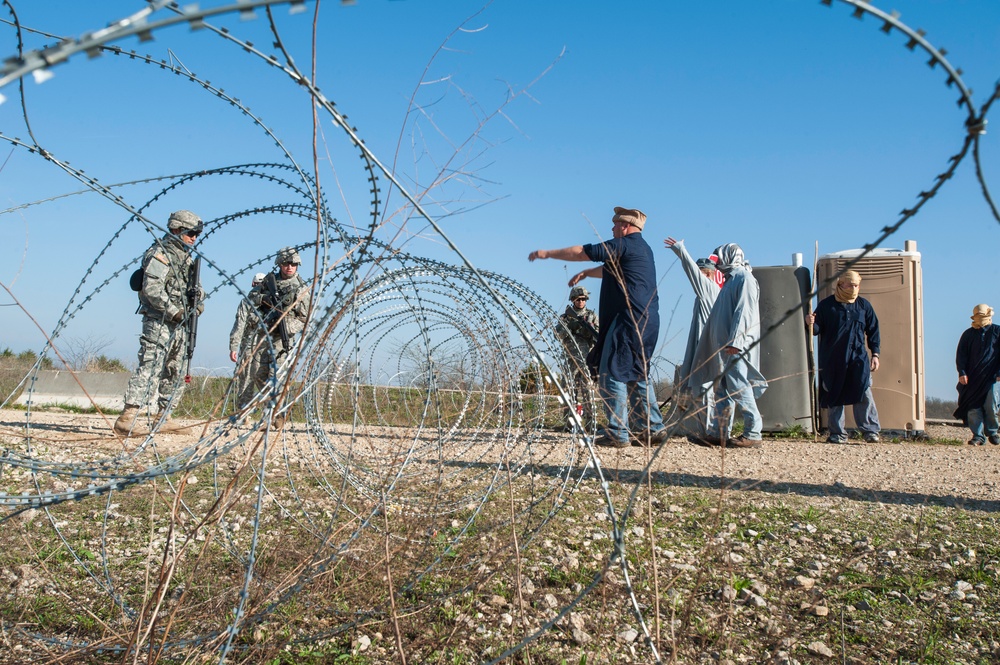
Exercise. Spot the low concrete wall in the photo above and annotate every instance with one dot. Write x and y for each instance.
(82, 389)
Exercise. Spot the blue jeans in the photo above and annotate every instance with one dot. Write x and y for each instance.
(625, 403)
(986, 415)
(865, 416)
(727, 394)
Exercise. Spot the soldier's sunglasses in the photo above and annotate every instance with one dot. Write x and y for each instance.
(191, 234)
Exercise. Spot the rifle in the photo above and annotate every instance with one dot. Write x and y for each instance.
(193, 296)
(271, 302)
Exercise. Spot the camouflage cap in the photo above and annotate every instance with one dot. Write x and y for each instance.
(579, 292)
(184, 219)
(288, 255)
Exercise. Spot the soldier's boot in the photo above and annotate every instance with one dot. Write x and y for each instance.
(278, 422)
(168, 424)
(165, 422)
(127, 422)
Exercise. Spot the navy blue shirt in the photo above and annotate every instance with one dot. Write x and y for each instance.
(629, 299)
(844, 365)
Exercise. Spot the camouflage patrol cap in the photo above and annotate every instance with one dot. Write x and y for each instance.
(578, 292)
(288, 255)
(184, 219)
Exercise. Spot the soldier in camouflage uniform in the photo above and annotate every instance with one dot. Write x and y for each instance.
(577, 330)
(163, 301)
(243, 339)
(285, 299)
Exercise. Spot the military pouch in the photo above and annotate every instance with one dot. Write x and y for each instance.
(135, 281)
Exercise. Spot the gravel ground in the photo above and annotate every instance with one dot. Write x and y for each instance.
(872, 576)
(938, 471)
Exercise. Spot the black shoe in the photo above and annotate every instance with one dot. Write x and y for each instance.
(995, 439)
(976, 441)
(608, 442)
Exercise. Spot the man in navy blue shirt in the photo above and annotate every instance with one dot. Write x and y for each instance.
(629, 317)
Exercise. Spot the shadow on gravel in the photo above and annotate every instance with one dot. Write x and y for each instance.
(632, 476)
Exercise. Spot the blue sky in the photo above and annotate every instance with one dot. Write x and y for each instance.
(775, 124)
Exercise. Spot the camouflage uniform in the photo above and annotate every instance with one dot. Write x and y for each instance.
(162, 301)
(577, 330)
(243, 341)
(288, 300)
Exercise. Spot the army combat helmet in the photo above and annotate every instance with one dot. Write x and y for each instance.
(579, 292)
(287, 255)
(184, 219)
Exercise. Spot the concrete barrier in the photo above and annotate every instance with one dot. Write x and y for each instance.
(81, 389)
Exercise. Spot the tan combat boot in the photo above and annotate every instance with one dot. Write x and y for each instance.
(168, 424)
(126, 423)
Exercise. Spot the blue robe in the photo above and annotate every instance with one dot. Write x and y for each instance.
(844, 364)
(978, 358)
(628, 296)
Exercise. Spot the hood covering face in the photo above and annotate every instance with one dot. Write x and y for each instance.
(982, 316)
(730, 256)
(845, 293)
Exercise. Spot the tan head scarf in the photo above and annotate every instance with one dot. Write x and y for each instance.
(848, 295)
(982, 316)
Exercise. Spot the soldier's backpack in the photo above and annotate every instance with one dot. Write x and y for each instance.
(135, 281)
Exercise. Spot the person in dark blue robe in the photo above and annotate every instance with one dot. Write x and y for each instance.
(844, 322)
(978, 363)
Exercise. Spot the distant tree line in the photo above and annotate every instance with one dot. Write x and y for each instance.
(939, 408)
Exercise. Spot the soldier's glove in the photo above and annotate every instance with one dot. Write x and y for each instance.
(178, 317)
(194, 294)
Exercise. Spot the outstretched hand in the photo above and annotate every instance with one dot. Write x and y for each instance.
(538, 254)
(670, 242)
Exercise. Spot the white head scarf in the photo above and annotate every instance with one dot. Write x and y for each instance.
(730, 256)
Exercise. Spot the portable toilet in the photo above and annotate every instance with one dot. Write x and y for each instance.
(785, 358)
(892, 281)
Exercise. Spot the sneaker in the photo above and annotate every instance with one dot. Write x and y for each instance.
(995, 439)
(837, 439)
(743, 442)
(609, 442)
(871, 437)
